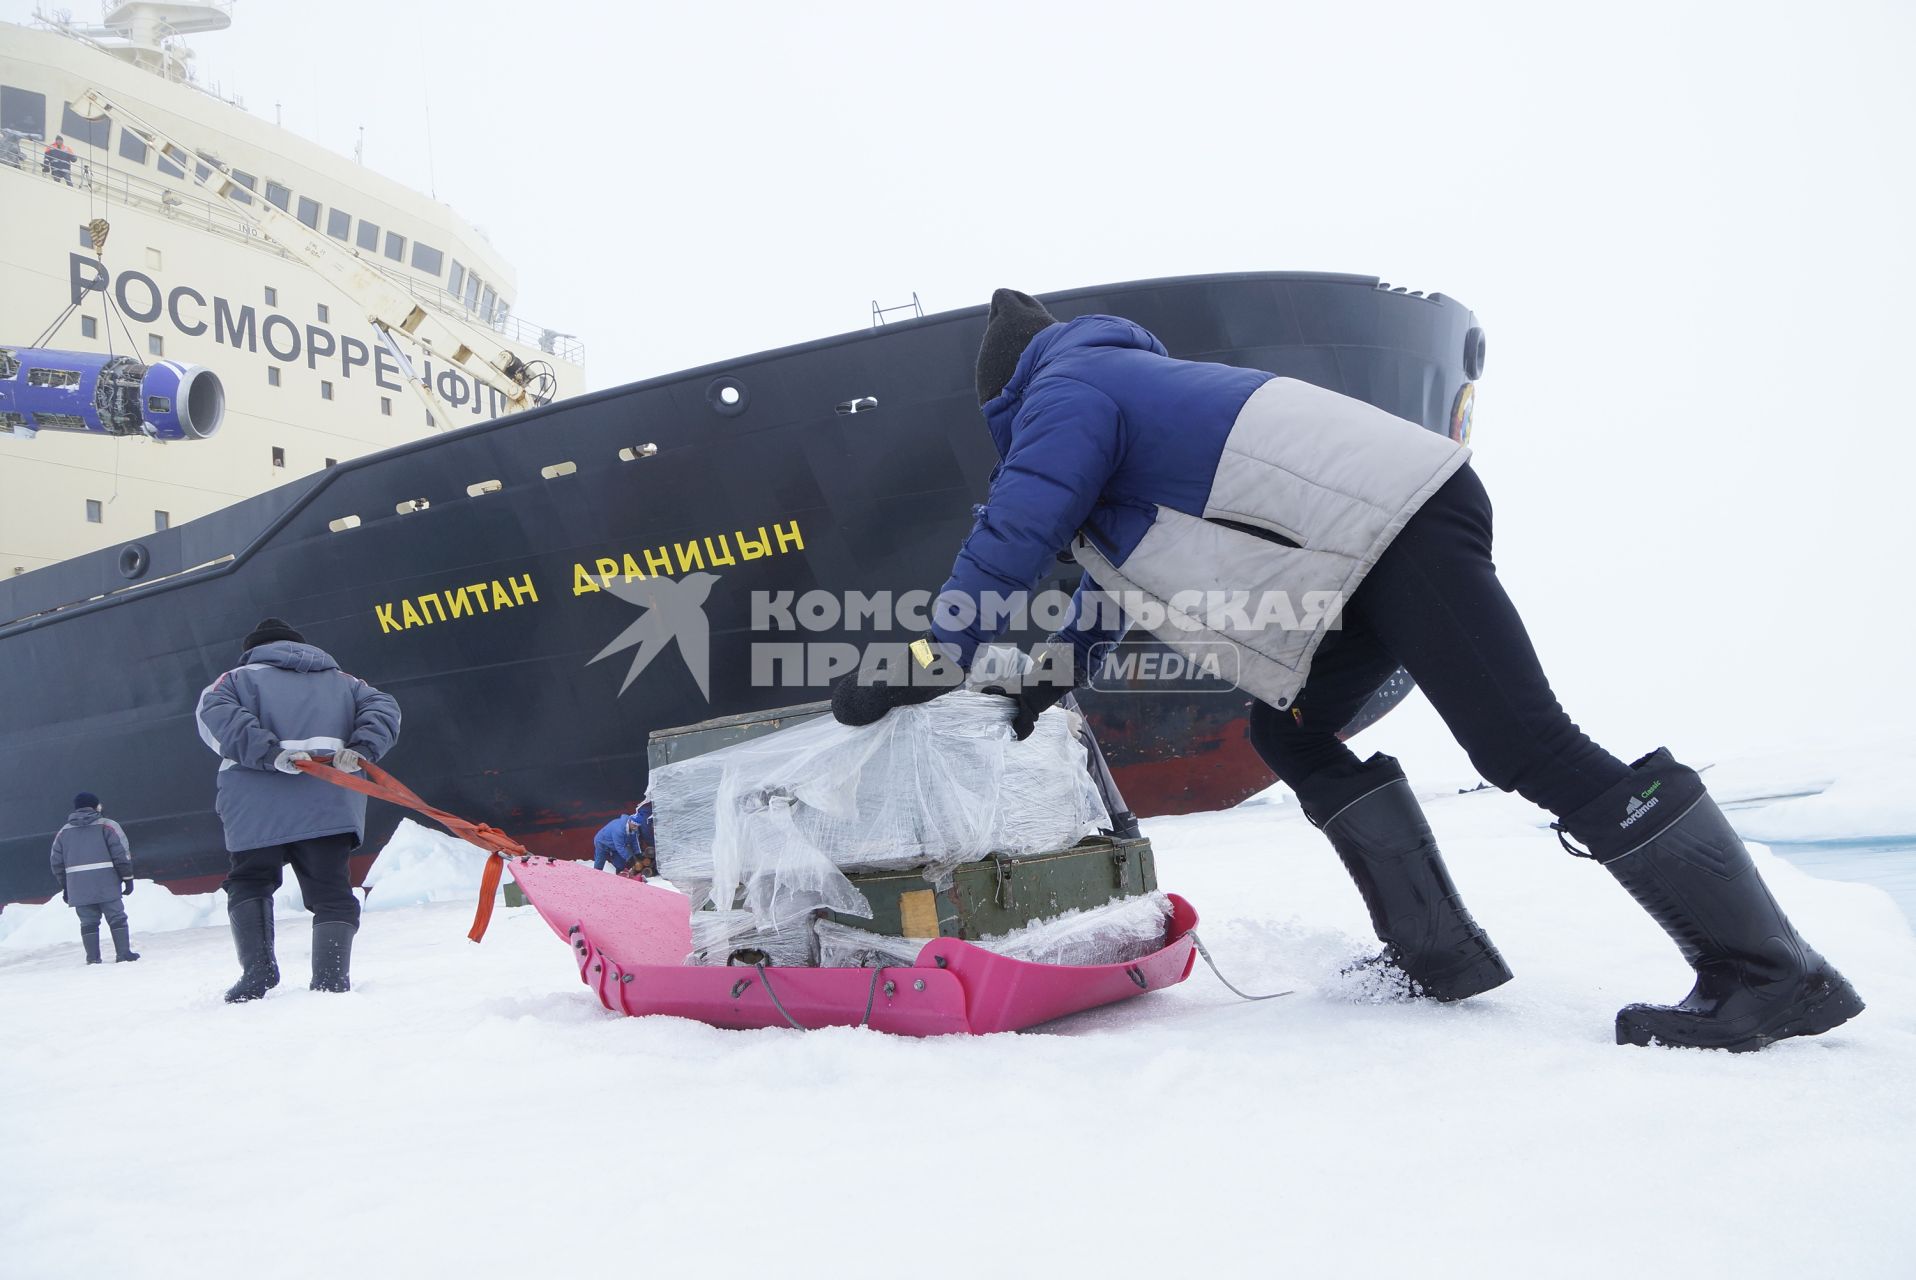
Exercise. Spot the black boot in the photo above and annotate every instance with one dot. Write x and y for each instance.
(333, 955)
(252, 922)
(122, 945)
(1663, 838)
(90, 939)
(1379, 831)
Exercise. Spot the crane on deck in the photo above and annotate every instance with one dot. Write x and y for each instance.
(393, 313)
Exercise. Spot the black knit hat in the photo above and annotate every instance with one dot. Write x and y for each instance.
(269, 630)
(1016, 318)
(86, 800)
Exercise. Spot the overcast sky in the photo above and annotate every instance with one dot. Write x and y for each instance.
(1684, 227)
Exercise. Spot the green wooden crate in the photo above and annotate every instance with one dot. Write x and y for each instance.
(1000, 894)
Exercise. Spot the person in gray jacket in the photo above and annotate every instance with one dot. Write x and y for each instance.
(286, 703)
(1202, 493)
(94, 865)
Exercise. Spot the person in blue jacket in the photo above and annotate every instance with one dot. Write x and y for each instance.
(1330, 543)
(626, 842)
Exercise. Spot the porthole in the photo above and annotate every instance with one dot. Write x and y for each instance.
(344, 523)
(558, 469)
(728, 396)
(134, 561)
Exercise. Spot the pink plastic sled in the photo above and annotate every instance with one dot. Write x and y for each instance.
(631, 940)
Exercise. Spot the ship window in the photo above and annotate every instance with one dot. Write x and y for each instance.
(272, 296)
(325, 313)
(162, 521)
(558, 469)
(278, 195)
(279, 456)
(368, 238)
(486, 303)
(95, 513)
(473, 285)
(168, 167)
(246, 181)
(430, 421)
(23, 111)
(427, 259)
(395, 246)
(155, 345)
(344, 523)
(272, 375)
(325, 391)
(332, 462)
(89, 327)
(75, 127)
(309, 212)
(338, 223)
(483, 487)
(456, 282)
(132, 146)
(386, 405)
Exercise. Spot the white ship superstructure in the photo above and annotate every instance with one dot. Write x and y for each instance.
(185, 276)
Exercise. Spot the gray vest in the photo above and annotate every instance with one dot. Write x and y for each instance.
(1334, 477)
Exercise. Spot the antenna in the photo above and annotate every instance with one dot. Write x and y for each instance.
(432, 181)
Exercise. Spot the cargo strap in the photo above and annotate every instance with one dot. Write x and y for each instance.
(381, 785)
(1242, 995)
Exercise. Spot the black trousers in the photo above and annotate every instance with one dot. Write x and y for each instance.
(319, 864)
(1433, 605)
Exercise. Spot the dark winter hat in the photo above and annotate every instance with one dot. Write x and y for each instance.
(1016, 318)
(269, 630)
(86, 800)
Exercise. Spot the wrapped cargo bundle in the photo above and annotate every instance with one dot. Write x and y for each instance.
(719, 935)
(1116, 933)
(772, 824)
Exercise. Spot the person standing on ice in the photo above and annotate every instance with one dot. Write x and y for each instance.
(1168, 476)
(286, 703)
(94, 865)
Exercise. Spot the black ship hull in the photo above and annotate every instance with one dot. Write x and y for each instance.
(470, 574)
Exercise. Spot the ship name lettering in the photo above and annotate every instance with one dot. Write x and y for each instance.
(453, 603)
(684, 557)
(314, 336)
(229, 329)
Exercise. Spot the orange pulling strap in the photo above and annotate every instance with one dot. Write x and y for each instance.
(380, 785)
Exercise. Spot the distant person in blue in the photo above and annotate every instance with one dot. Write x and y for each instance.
(1220, 503)
(626, 842)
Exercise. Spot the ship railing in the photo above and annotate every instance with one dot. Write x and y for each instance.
(118, 183)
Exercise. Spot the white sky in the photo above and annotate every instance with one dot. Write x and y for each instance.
(1685, 228)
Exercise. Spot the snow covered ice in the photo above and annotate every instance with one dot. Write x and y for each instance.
(473, 1110)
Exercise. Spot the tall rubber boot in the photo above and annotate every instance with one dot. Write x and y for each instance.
(333, 955)
(1374, 822)
(90, 940)
(252, 922)
(1663, 838)
(122, 944)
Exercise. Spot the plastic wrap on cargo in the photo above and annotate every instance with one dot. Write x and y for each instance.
(717, 935)
(772, 824)
(1116, 933)
(843, 946)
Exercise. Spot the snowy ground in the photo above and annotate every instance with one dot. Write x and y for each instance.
(472, 1110)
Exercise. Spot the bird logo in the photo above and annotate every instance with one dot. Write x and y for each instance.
(673, 610)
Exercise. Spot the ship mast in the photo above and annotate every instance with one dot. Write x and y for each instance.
(393, 313)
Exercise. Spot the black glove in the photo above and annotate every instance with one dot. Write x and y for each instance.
(911, 674)
(1043, 687)
(126, 887)
(1032, 701)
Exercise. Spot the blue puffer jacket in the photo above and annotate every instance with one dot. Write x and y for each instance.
(285, 695)
(1096, 428)
(1234, 506)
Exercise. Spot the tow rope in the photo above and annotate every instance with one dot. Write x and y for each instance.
(381, 785)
